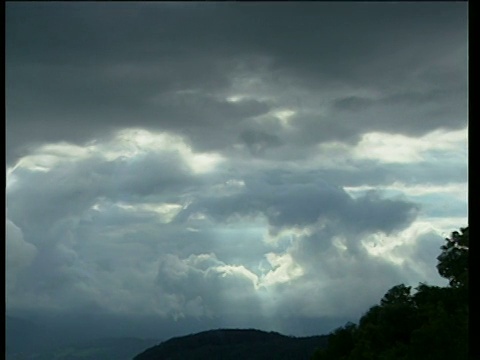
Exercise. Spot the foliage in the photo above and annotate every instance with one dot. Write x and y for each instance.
(431, 324)
(340, 343)
(453, 261)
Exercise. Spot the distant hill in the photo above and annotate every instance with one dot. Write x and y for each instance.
(33, 340)
(24, 336)
(235, 344)
(26, 340)
(100, 349)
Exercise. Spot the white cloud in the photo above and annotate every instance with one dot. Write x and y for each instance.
(284, 115)
(131, 142)
(127, 143)
(283, 270)
(458, 191)
(396, 148)
(166, 212)
(50, 155)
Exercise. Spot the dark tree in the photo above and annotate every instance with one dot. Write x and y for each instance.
(431, 324)
(397, 295)
(453, 261)
(340, 344)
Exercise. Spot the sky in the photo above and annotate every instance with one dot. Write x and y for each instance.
(178, 166)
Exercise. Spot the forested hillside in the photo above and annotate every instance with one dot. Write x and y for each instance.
(235, 344)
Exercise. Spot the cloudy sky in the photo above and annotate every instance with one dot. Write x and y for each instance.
(186, 166)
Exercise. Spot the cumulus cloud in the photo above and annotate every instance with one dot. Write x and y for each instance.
(201, 285)
(229, 164)
(130, 232)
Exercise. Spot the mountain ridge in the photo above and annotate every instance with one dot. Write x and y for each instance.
(31, 339)
(230, 344)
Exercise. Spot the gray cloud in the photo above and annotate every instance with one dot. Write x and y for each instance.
(177, 167)
(288, 202)
(81, 218)
(117, 65)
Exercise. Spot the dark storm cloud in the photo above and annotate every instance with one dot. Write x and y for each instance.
(352, 103)
(208, 164)
(412, 113)
(75, 71)
(258, 141)
(287, 202)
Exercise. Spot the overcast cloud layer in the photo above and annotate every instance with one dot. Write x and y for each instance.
(183, 166)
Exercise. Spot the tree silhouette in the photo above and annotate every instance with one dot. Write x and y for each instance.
(453, 261)
(431, 324)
